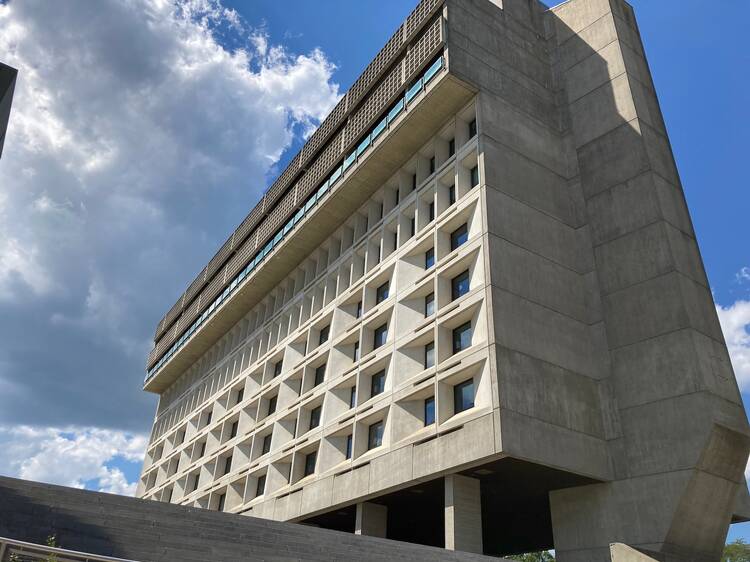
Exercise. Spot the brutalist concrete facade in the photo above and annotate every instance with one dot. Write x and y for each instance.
(567, 387)
(7, 86)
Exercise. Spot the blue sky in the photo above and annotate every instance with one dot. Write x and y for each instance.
(122, 190)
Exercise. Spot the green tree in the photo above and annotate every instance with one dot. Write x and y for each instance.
(737, 551)
(542, 556)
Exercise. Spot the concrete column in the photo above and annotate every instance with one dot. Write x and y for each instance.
(463, 514)
(372, 520)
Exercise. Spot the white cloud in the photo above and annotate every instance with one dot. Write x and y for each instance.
(78, 457)
(137, 142)
(743, 275)
(735, 323)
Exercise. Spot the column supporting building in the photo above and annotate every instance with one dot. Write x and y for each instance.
(372, 520)
(463, 514)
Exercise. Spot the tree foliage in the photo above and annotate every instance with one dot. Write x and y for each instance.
(542, 556)
(737, 551)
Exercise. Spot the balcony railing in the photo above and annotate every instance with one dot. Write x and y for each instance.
(12, 550)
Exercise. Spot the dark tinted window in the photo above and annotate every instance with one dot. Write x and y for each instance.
(381, 293)
(377, 383)
(228, 464)
(463, 396)
(355, 355)
(233, 432)
(475, 176)
(451, 147)
(429, 410)
(349, 446)
(315, 417)
(462, 337)
(359, 309)
(240, 395)
(451, 195)
(472, 128)
(460, 285)
(261, 486)
(277, 368)
(323, 335)
(381, 335)
(272, 404)
(375, 435)
(429, 305)
(432, 164)
(429, 258)
(320, 374)
(431, 211)
(459, 236)
(429, 355)
(266, 444)
(353, 397)
(222, 499)
(310, 463)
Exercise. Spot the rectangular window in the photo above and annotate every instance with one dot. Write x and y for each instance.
(451, 147)
(240, 395)
(196, 481)
(459, 236)
(460, 285)
(320, 374)
(272, 404)
(398, 196)
(432, 165)
(209, 415)
(260, 488)
(377, 383)
(429, 305)
(472, 128)
(353, 397)
(429, 411)
(431, 211)
(413, 182)
(381, 293)
(380, 211)
(277, 368)
(429, 355)
(348, 446)
(315, 417)
(463, 396)
(233, 432)
(266, 444)
(381, 335)
(228, 465)
(375, 435)
(222, 499)
(323, 335)
(310, 460)
(355, 355)
(202, 450)
(475, 176)
(461, 337)
(429, 258)
(451, 195)
(359, 309)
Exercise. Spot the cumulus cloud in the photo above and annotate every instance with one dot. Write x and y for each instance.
(78, 457)
(142, 132)
(735, 323)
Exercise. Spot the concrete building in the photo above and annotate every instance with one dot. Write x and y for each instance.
(7, 86)
(471, 313)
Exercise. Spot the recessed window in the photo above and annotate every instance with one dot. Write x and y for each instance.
(451, 147)
(359, 310)
(429, 411)
(451, 195)
(260, 487)
(429, 355)
(228, 464)
(431, 211)
(377, 383)
(352, 397)
(209, 415)
(272, 404)
(315, 417)
(463, 396)
(349, 446)
(413, 182)
(461, 337)
(233, 431)
(429, 305)
(474, 176)
(240, 395)
(375, 435)
(381, 335)
(381, 293)
(459, 236)
(429, 258)
(169, 495)
(472, 128)
(181, 437)
(432, 165)
(222, 499)
(277, 368)
(310, 460)
(320, 374)
(460, 285)
(196, 481)
(398, 196)
(202, 452)
(266, 444)
(380, 211)
(323, 335)
(355, 353)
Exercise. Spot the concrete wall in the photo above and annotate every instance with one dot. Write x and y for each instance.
(7, 86)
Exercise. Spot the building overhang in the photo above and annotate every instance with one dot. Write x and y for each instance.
(441, 100)
(7, 86)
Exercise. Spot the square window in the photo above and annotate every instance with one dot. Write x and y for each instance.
(272, 404)
(461, 337)
(353, 397)
(463, 396)
(474, 176)
(432, 165)
(277, 368)
(429, 305)
(381, 293)
(233, 431)
(460, 285)
(377, 383)
(228, 465)
(472, 128)
(429, 355)
(375, 435)
(323, 335)
(348, 446)
(222, 499)
(240, 395)
(266, 444)
(429, 411)
(429, 258)
(451, 147)
(451, 195)
(431, 211)
(381, 335)
(310, 460)
(320, 374)
(459, 236)
(315, 417)
(359, 310)
(260, 488)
